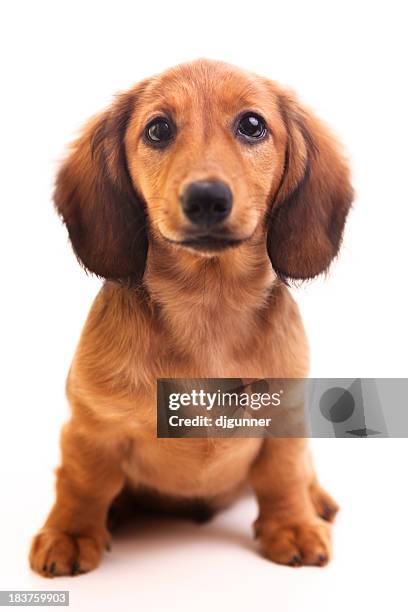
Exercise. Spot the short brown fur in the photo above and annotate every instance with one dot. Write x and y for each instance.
(165, 311)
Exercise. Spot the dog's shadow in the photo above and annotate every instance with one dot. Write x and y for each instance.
(152, 531)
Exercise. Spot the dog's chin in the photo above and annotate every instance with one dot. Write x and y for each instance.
(207, 244)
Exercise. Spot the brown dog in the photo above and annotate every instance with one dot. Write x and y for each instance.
(195, 196)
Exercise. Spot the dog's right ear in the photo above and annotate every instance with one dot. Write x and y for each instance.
(105, 218)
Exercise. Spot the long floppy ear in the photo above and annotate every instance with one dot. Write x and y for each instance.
(309, 210)
(105, 218)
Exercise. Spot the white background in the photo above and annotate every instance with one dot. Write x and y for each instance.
(62, 61)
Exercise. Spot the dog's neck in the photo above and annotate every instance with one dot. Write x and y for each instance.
(204, 300)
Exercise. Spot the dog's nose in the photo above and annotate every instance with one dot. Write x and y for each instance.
(206, 203)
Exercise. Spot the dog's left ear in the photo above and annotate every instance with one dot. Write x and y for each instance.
(309, 209)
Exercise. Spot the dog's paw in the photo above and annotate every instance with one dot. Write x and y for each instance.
(307, 543)
(56, 553)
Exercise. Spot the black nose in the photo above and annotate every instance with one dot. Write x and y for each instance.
(206, 203)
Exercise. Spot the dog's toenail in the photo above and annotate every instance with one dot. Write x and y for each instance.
(322, 559)
(296, 561)
(52, 568)
(328, 512)
(45, 568)
(75, 568)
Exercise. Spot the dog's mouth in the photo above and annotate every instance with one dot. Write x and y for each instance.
(211, 243)
(208, 243)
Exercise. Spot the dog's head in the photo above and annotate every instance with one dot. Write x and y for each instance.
(204, 156)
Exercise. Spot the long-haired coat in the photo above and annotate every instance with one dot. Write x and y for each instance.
(196, 195)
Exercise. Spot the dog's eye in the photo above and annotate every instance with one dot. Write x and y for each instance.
(252, 127)
(158, 131)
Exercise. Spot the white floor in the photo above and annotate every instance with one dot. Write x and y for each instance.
(167, 565)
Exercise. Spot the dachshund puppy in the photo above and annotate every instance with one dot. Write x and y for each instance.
(197, 195)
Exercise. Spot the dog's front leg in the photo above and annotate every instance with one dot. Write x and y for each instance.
(289, 526)
(74, 535)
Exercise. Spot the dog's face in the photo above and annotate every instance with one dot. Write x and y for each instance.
(203, 157)
(205, 147)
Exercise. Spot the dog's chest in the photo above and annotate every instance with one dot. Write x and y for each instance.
(189, 467)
